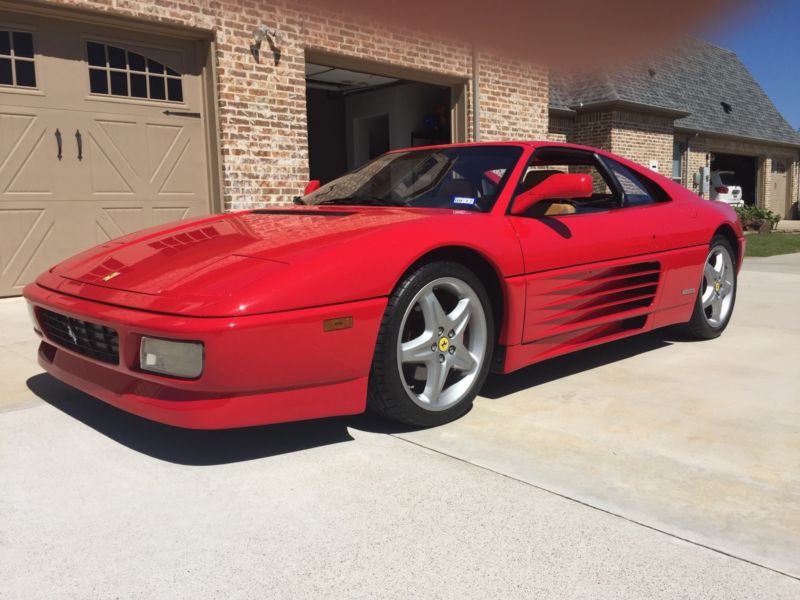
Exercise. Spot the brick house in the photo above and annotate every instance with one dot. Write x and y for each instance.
(120, 114)
(116, 115)
(697, 107)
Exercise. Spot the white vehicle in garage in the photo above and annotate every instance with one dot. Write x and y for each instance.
(725, 187)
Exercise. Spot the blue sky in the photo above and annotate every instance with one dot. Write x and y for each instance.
(765, 36)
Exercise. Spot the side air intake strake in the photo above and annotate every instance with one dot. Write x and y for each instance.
(606, 301)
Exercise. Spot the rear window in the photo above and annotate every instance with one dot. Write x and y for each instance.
(638, 189)
(728, 179)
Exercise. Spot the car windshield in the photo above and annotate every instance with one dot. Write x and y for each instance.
(728, 179)
(468, 178)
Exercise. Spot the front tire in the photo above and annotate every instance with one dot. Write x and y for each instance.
(434, 346)
(717, 293)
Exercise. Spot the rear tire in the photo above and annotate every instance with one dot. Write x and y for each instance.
(434, 346)
(716, 295)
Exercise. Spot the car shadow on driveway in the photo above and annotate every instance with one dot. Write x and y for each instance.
(203, 447)
(188, 446)
(497, 385)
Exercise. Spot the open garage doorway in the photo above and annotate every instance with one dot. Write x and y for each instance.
(745, 173)
(355, 115)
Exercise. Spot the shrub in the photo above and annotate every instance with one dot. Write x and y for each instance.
(754, 218)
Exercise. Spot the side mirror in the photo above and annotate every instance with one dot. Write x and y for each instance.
(561, 186)
(312, 186)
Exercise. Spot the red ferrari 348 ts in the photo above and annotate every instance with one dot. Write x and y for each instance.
(395, 287)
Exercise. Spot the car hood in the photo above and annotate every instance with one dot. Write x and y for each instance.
(257, 261)
(163, 261)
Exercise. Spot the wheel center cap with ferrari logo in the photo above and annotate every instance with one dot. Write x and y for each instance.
(717, 286)
(444, 344)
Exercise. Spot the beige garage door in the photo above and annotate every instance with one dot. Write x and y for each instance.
(780, 188)
(102, 132)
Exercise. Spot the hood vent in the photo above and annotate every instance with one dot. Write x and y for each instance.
(301, 213)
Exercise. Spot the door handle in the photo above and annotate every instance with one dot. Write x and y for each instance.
(79, 139)
(58, 143)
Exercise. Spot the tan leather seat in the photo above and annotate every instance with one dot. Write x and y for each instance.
(553, 208)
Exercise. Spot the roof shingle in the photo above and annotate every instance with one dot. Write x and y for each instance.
(696, 78)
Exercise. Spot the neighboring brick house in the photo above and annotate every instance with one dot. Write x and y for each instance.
(698, 107)
(120, 114)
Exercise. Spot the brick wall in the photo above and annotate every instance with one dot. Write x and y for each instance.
(593, 129)
(560, 129)
(694, 158)
(514, 97)
(643, 138)
(638, 137)
(262, 107)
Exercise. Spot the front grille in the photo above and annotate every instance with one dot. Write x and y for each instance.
(90, 339)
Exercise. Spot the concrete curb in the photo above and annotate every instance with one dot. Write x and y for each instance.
(789, 226)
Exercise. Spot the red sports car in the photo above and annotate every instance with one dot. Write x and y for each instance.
(395, 287)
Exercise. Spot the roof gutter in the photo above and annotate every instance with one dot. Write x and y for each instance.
(561, 112)
(737, 138)
(633, 106)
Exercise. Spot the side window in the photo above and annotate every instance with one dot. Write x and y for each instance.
(117, 72)
(17, 67)
(537, 172)
(638, 190)
(547, 162)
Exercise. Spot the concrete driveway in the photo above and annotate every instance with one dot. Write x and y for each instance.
(647, 468)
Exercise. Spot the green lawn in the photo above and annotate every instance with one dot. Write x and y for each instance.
(770, 244)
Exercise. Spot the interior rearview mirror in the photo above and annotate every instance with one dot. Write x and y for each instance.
(312, 186)
(561, 186)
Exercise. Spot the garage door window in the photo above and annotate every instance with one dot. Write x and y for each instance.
(118, 72)
(17, 67)
(779, 167)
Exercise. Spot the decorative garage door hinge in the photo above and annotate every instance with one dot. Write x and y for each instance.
(180, 113)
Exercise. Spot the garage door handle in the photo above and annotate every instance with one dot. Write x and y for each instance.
(58, 142)
(79, 139)
(180, 113)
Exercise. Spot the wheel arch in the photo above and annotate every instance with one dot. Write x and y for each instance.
(479, 264)
(729, 234)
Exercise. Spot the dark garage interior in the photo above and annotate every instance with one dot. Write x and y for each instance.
(746, 169)
(354, 117)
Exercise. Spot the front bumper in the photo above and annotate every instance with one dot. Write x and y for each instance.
(258, 369)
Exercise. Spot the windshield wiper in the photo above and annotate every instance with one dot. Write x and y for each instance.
(365, 200)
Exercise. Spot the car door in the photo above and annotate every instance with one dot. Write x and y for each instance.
(593, 274)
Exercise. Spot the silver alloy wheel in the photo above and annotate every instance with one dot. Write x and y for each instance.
(442, 343)
(718, 286)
